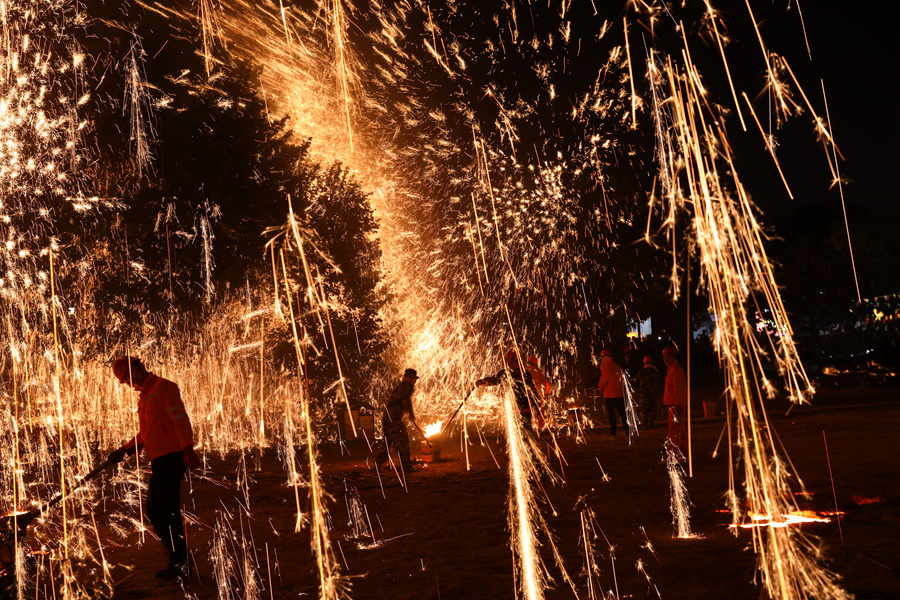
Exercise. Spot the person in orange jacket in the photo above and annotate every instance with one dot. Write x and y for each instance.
(675, 397)
(168, 440)
(611, 387)
(543, 387)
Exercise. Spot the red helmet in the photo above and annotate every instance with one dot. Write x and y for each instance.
(648, 360)
(670, 350)
(606, 352)
(533, 360)
(125, 364)
(512, 357)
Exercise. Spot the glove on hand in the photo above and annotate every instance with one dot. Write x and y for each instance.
(190, 459)
(116, 456)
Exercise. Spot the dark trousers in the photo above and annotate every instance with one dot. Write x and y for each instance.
(164, 503)
(648, 413)
(613, 405)
(526, 421)
(524, 406)
(396, 438)
(676, 426)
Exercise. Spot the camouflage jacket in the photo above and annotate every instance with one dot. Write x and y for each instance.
(649, 386)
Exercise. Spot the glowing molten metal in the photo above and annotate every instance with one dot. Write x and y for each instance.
(433, 429)
(794, 518)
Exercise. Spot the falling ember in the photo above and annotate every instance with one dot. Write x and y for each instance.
(862, 500)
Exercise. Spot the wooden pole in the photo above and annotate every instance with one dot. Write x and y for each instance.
(688, 361)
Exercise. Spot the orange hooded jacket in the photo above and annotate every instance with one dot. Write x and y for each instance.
(165, 426)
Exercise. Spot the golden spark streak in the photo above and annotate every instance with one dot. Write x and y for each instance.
(630, 75)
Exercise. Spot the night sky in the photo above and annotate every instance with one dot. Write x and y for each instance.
(853, 52)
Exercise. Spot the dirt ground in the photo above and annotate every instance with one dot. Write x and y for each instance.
(445, 535)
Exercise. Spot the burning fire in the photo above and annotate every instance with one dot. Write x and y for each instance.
(785, 520)
(433, 429)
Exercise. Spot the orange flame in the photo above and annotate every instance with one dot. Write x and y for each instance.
(786, 520)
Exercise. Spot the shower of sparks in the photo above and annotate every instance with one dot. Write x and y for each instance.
(642, 569)
(631, 409)
(680, 503)
(590, 568)
(357, 516)
(701, 179)
(232, 556)
(779, 521)
(525, 518)
(333, 585)
(434, 205)
(449, 285)
(139, 109)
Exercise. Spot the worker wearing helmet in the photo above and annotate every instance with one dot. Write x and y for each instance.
(675, 397)
(399, 407)
(168, 441)
(522, 386)
(649, 389)
(611, 387)
(543, 387)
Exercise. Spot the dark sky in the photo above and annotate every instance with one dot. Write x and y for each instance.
(855, 55)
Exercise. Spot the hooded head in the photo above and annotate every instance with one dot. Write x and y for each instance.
(129, 370)
(512, 359)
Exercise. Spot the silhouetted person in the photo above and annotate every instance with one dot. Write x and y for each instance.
(399, 407)
(522, 386)
(649, 389)
(168, 440)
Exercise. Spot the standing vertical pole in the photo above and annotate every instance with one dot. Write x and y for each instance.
(57, 383)
(834, 492)
(688, 361)
(262, 390)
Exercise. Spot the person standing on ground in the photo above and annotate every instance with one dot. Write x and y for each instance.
(399, 407)
(611, 387)
(167, 438)
(649, 388)
(522, 385)
(543, 387)
(675, 397)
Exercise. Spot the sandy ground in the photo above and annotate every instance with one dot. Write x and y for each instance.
(445, 535)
